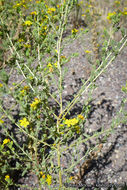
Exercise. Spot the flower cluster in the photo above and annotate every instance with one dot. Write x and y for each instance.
(27, 45)
(124, 12)
(71, 122)
(49, 179)
(110, 15)
(33, 13)
(28, 23)
(24, 122)
(74, 123)
(5, 141)
(51, 67)
(35, 103)
(87, 51)
(42, 175)
(81, 117)
(7, 177)
(74, 31)
(24, 90)
(22, 3)
(50, 10)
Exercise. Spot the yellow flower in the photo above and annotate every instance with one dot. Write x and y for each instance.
(70, 122)
(87, 51)
(110, 15)
(27, 45)
(35, 103)
(26, 87)
(44, 27)
(31, 77)
(55, 64)
(50, 10)
(49, 65)
(117, 2)
(87, 11)
(43, 176)
(1, 85)
(77, 128)
(22, 92)
(44, 33)
(53, 9)
(1, 121)
(49, 179)
(74, 31)
(124, 12)
(25, 6)
(46, 17)
(17, 5)
(24, 122)
(5, 141)
(81, 117)
(20, 40)
(63, 57)
(33, 13)
(27, 23)
(71, 177)
(90, 6)
(61, 133)
(57, 27)
(7, 177)
(41, 173)
(56, 51)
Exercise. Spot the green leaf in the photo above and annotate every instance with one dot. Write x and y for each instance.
(76, 54)
(4, 76)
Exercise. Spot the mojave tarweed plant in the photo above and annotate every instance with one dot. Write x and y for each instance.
(37, 125)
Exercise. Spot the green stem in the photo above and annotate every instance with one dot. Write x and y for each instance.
(60, 32)
(99, 71)
(59, 165)
(61, 29)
